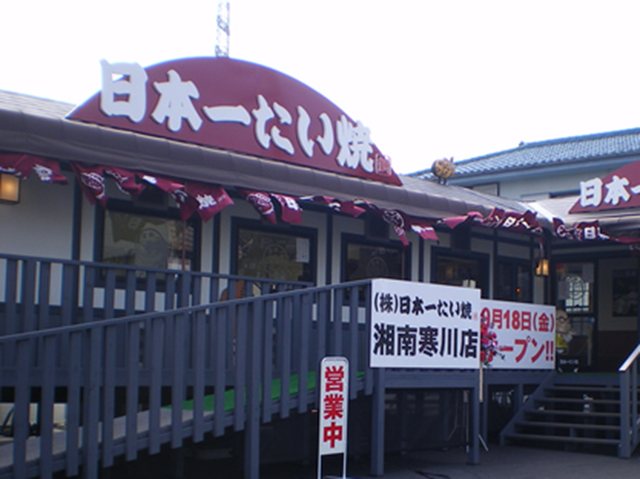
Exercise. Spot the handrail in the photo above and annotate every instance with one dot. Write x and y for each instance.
(628, 379)
(630, 359)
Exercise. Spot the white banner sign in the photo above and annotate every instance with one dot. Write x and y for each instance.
(334, 399)
(519, 335)
(421, 325)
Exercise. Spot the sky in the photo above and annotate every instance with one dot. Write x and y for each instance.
(430, 79)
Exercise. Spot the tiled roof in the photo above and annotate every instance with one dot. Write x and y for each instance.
(574, 149)
(33, 105)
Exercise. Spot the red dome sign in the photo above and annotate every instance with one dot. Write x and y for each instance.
(236, 106)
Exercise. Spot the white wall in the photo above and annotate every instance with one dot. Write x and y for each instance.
(41, 224)
(541, 187)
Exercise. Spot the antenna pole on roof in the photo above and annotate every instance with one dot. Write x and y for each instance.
(222, 29)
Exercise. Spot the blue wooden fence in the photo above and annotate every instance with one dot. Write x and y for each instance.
(140, 381)
(143, 358)
(40, 293)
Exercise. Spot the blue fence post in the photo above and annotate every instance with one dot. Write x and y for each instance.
(90, 456)
(46, 407)
(268, 358)
(484, 410)
(199, 354)
(177, 378)
(220, 316)
(108, 394)
(239, 324)
(74, 403)
(474, 447)
(44, 288)
(28, 295)
(377, 423)
(252, 427)
(21, 410)
(155, 389)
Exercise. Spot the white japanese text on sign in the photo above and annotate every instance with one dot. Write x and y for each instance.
(334, 381)
(210, 102)
(419, 325)
(525, 334)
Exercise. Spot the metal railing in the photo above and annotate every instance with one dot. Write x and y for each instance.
(628, 379)
(137, 382)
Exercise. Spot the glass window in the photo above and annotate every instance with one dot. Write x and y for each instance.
(575, 284)
(513, 281)
(277, 255)
(367, 260)
(468, 271)
(147, 241)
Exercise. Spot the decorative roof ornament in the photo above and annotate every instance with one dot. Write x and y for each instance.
(443, 169)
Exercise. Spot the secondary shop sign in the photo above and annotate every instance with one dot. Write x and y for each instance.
(617, 190)
(333, 410)
(518, 335)
(237, 106)
(421, 325)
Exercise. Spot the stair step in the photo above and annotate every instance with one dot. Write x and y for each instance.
(568, 425)
(565, 439)
(578, 401)
(587, 380)
(568, 412)
(567, 391)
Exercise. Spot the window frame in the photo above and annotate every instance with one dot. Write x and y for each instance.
(348, 238)
(482, 258)
(280, 229)
(593, 296)
(128, 207)
(513, 263)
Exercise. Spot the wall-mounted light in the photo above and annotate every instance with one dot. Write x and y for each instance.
(9, 188)
(542, 267)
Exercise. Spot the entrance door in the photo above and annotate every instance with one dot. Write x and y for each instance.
(576, 324)
(617, 310)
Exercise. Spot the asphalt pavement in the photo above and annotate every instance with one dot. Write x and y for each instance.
(499, 462)
(511, 462)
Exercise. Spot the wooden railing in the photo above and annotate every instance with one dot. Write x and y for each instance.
(628, 378)
(136, 382)
(40, 293)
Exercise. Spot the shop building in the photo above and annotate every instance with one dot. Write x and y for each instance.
(159, 232)
(597, 284)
